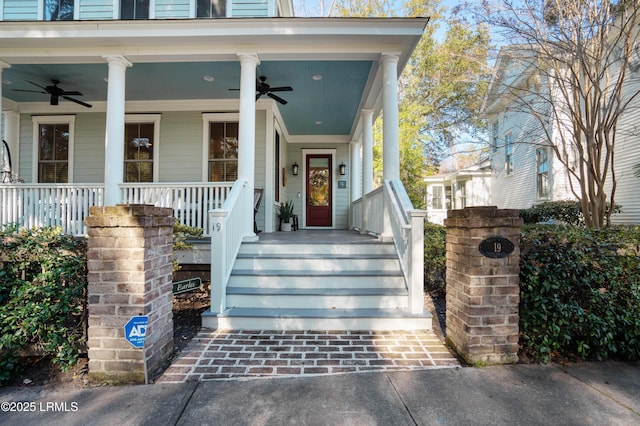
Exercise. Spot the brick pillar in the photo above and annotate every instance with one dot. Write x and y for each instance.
(130, 273)
(483, 284)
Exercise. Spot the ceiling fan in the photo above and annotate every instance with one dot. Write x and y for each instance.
(262, 88)
(56, 93)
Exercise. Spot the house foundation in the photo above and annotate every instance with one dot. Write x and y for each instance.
(483, 284)
(129, 274)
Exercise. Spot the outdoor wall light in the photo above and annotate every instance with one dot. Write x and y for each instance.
(295, 169)
(343, 169)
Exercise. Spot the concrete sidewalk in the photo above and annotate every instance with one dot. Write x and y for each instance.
(590, 393)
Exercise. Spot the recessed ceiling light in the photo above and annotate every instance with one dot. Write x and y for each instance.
(316, 77)
(318, 122)
(208, 78)
(6, 81)
(106, 79)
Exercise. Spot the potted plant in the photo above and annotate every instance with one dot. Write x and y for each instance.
(286, 213)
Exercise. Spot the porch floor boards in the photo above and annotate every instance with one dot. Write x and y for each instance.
(252, 354)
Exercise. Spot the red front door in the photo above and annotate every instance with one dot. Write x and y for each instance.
(319, 189)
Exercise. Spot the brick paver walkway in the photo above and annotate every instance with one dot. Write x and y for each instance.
(221, 355)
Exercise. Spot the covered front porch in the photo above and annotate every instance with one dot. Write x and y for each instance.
(175, 117)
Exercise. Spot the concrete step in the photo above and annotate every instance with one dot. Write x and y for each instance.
(317, 319)
(260, 248)
(317, 298)
(314, 262)
(316, 279)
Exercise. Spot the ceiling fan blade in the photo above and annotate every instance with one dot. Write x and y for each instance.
(72, 93)
(277, 98)
(258, 96)
(36, 84)
(234, 90)
(30, 91)
(281, 89)
(77, 101)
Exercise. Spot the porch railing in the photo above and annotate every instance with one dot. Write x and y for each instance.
(388, 212)
(190, 201)
(67, 205)
(227, 232)
(37, 205)
(407, 227)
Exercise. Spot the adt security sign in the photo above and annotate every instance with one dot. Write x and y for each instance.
(135, 330)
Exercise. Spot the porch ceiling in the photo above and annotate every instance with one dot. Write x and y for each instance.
(172, 58)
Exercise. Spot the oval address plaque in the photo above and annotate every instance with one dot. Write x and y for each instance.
(496, 247)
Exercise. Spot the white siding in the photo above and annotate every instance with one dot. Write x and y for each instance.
(478, 191)
(627, 155)
(172, 9)
(20, 10)
(250, 8)
(89, 148)
(26, 148)
(181, 147)
(96, 9)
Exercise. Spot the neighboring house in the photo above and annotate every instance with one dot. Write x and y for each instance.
(167, 102)
(467, 187)
(525, 171)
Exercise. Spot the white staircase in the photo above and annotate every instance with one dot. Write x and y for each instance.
(318, 286)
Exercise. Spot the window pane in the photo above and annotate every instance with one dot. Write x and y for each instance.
(216, 138)
(58, 10)
(134, 9)
(212, 8)
(62, 142)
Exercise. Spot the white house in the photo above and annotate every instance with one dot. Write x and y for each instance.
(525, 171)
(467, 187)
(192, 105)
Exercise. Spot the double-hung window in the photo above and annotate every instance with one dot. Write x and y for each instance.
(508, 150)
(495, 134)
(53, 144)
(141, 147)
(542, 170)
(221, 147)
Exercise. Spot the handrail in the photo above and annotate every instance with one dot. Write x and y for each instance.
(407, 228)
(227, 232)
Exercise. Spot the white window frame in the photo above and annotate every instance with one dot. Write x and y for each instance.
(508, 154)
(548, 173)
(70, 120)
(76, 10)
(148, 118)
(207, 119)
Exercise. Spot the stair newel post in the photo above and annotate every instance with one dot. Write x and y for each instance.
(218, 259)
(416, 272)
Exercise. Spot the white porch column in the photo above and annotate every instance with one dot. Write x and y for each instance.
(355, 165)
(367, 164)
(390, 145)
(247, 133)
(114, 137)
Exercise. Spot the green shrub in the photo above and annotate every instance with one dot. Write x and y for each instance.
(181, 235)
(434, 257)
(568, 212)
(579, 292)
(42, 296)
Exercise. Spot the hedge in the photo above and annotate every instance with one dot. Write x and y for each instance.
(579, 291)
(43, 285)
